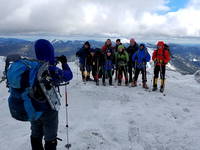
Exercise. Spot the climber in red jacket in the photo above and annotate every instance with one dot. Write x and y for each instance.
(160, 57)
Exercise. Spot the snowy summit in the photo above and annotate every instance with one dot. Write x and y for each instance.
(118, 118)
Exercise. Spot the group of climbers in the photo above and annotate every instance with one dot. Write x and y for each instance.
(122, 63)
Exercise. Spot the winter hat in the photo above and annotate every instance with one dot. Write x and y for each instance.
(142, 44)
(118, 40)
(121, 46)
(132, 40)
(44, 51)
(161, 43)
(87, 43)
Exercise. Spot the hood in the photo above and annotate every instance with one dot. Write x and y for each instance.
(87, 43)
(44, 51)
(121, 46)
(161, 43)
(142, 44)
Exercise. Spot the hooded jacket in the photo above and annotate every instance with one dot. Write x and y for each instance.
(161, 56)
(83, 53)
(45, 52)
(108, 62)
(141, 56)
(121, 58)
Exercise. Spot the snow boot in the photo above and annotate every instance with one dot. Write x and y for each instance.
(36, 143)
(162, 86)
(126, 82)
(83, 77)
(155, 82)
(155, 88)
(161, 89)
(88, 78)
(130, 81)
(145, 85)
(110, 83)
(97, 82)
(104, 83)
(51, 145)
(134, 84)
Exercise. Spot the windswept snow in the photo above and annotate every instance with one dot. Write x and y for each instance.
(121, 118)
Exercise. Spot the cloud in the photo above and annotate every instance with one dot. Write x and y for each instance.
(98, 17)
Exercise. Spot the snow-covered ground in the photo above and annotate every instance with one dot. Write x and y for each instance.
(119, 118)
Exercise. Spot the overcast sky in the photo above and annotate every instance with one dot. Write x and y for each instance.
(123, 18)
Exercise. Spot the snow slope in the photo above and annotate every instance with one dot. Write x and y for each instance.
(121, 118)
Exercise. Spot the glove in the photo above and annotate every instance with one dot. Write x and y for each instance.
(62, 59)
(160, 61)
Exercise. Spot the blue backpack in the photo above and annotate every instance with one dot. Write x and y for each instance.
(23, 88)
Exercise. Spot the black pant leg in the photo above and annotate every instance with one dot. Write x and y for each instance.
(110, 76)
(94, 72)
(156, 71)
(120, 74)
(125, 74)
(104, 76)
(163, 70)
(130, 72)
(137, 72)
(144, 75)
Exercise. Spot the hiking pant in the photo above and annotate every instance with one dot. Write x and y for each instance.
(84, 68)
(144, 74)
(46, 126)
(161, 69)
(130, 72)
(122, 70)
(107, 73)
(96, 73)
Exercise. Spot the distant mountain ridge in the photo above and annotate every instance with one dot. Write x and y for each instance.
(186, 58)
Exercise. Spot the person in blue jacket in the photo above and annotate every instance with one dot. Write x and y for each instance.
(140, 58)
(47, 125)
(83, 54)
(108, 66)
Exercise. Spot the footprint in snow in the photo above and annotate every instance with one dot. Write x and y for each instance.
(186, 110)
(133, 135)
(94, 140)
(124, 99)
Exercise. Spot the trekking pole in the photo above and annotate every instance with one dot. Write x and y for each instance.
(145, 72)
(152, 78)
(2, 79)
(68, 145)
